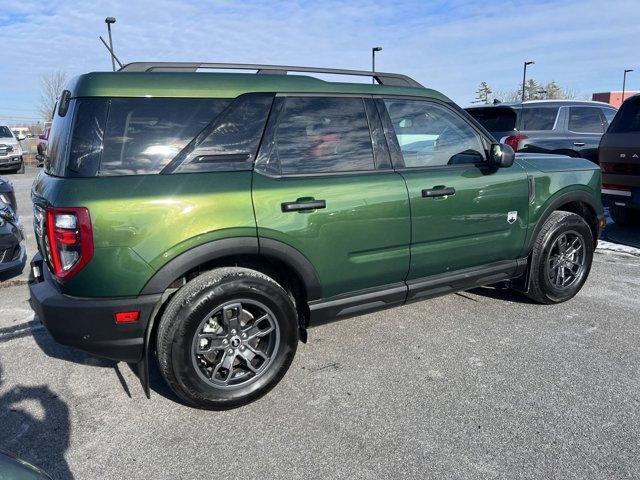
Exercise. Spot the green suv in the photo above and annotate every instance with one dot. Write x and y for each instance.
(208, 219)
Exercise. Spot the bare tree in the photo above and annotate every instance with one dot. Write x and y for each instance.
(538, 91)
(51, 86)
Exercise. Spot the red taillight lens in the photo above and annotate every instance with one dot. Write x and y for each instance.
(127, 317)
(514, 140)
(69, 240)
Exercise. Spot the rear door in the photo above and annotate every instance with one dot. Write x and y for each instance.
(586, 124)
(323, 184)
(464, 213)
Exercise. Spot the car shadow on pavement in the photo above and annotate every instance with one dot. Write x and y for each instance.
(502, 293)
(42, 439)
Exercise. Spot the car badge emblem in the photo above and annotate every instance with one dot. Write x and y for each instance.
(623, 155)
(635, 155)
(512, 217)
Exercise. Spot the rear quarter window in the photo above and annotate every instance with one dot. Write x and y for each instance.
(143, 135)
(538, 118)
(495, 119)
(627, 120)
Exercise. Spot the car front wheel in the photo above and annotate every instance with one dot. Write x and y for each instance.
(561, 258)
(226, 338)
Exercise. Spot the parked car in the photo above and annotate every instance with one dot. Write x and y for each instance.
(208, 219)
(14, 468)
(566, 127)
(43, 140)
(13, 255)
(10, 151)
(620, 164)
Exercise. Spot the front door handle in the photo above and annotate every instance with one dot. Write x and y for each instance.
(438, 192)
(579, 144)
(301, 205)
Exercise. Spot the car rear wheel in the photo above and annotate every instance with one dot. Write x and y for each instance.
(561, 258)
(226, 338)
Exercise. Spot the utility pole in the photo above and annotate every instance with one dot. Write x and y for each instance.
(109, 21)
(524, 75)
(373, 61)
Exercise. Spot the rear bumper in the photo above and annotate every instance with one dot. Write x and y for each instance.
(89, 323)
(621, 198)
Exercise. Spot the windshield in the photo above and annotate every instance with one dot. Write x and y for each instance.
(495, 119)
(5, 132)
(628, 117)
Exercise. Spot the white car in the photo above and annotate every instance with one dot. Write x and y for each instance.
(10, 151)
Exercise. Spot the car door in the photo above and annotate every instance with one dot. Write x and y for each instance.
(464, 213)
(323, 187)
(585, 126)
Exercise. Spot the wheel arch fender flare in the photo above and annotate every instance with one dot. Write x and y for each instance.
(554, 203)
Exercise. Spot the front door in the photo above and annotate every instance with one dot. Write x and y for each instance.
(464, 213)
(324, 188)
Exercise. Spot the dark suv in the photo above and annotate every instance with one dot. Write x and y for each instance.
(208, 219)
(620, 164)
(565, 127)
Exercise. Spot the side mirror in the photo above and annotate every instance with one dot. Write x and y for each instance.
(501, 155)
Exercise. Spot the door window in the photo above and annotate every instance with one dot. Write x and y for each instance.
(585, 120)
(538, 118)
(609, 114)
(430, 135)
(322, 135)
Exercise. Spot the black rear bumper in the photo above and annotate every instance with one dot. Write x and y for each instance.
(89, 323)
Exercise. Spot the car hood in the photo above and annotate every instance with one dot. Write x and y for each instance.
(554, 163)
(8, 141)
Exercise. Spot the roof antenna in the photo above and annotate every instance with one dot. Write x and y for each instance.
(113, 55)
(114, 59)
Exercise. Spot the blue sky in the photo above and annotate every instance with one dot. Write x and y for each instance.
(448, 45)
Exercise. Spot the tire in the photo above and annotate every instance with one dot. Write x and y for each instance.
(202, 316)
(554, 274)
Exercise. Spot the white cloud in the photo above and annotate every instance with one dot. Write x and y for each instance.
(450, 46)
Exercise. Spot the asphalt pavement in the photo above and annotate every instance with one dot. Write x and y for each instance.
(482, 384)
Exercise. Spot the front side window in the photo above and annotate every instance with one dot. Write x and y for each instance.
(143, 135)
(538, 118)
(431, 135)
(585, 120)
(322, 135)
(609, 114)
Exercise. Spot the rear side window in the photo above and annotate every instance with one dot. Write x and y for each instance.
(538, 118)
(322, 135)
(628, 118)
(495, 119)
(586, 120)
(143, 135)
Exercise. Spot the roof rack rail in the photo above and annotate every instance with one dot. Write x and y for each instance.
(392, 79)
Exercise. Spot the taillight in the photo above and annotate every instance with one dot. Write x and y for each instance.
(514, 140)
(70, 240)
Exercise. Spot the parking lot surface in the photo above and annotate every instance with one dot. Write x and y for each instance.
(481, 384)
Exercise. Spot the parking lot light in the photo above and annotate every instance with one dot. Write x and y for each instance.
(624, 81)
(373, 61)
(109, 21)
(524, 75)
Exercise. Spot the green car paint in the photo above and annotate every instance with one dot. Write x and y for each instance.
(376, 229)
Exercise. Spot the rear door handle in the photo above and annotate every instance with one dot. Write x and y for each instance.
(579, 144)
(300, 205)
(438, 192)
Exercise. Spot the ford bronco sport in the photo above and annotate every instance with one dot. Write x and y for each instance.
(208, 219)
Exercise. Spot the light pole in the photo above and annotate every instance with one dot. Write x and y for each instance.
(624, 82)
(373, 61)
(109, 21)
(524, 75)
